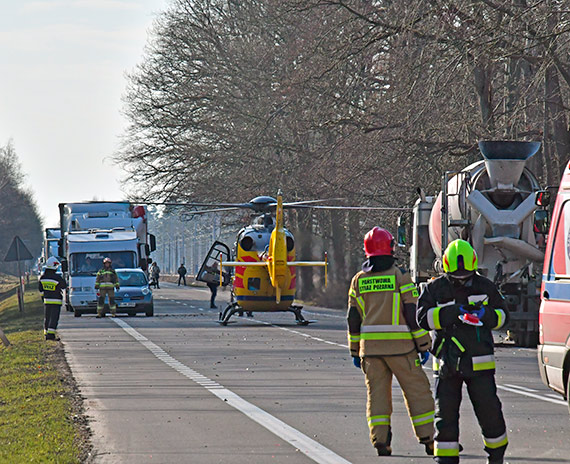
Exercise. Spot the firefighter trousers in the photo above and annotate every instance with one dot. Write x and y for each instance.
(417, 395)
(51, 319)
(482, 392)
(103, 292)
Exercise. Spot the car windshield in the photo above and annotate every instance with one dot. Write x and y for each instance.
(90, 263)
(131, 279)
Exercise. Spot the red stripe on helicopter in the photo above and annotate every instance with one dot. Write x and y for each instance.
(245, 259)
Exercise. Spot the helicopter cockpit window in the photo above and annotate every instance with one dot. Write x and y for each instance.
(246, 243)
(290, 243)
(253, 283)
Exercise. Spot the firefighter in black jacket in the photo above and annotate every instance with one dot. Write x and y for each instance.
(51, 286)
(462, 307)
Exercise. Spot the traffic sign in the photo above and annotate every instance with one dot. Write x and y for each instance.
(18, 251)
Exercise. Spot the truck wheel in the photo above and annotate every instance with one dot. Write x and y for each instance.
(150, 312)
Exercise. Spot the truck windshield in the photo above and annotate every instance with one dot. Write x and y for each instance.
(90, 263)
(131, 279)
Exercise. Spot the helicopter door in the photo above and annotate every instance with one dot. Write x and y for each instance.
(210, 270)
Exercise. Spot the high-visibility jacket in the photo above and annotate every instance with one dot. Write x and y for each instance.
(107, 278)
(51, 286)
(462, 348)
(383, 330)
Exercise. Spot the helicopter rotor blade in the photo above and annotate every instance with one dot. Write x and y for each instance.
(216, 210)
(306, 202)
(354, 208)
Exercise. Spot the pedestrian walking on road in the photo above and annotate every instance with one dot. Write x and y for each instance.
(106, 282)
(462, 307)
(385, 340)
(182, 274)
(155, 273)
(51, 286)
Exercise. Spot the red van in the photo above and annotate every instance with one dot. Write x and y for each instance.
(554, 316)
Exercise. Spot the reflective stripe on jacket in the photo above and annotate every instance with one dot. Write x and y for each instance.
(107, 278)
(457, 346)
(379, 297)
(51, 286)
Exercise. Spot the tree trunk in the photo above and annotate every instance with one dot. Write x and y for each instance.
(306, 287)
(482, 81)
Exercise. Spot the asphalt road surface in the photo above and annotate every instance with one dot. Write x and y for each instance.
(179, 388)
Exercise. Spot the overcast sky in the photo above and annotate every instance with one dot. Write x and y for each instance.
(62, 76)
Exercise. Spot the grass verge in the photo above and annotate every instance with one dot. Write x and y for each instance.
(40, 409)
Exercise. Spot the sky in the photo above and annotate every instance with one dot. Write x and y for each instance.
(62, 78)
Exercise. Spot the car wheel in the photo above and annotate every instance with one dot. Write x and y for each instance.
(76, 313)
(150, 311)
(132, 313)
(568, 392)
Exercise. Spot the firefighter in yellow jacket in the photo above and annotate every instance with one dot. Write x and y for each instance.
(385, 340)
(106, 282)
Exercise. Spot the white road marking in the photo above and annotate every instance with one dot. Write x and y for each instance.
(324, 314)
(298, 440)
(521, 388)
(532, 395)
(296, 332)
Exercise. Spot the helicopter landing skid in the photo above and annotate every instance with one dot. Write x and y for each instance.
(227, 313)
(295, 309)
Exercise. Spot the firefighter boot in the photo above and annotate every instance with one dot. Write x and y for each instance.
(429, 446)
(384, 449)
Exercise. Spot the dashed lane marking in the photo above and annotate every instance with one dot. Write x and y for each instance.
(302, 334)
(297, 439)
(532, 395)
(521, 388)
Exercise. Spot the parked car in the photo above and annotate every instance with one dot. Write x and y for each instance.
(554, 316)
(134, 296)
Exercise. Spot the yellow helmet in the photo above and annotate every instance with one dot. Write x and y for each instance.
(460, 259)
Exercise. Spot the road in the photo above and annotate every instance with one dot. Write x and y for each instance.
(179, 388)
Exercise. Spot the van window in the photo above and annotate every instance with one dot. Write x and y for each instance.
(560, 258)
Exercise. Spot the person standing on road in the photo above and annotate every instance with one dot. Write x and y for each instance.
(182, 274)
(106, 282)
(385, 339)
(462, 307)
(155, 273)
(51, 286)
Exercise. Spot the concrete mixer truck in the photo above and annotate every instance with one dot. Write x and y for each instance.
(492, 204)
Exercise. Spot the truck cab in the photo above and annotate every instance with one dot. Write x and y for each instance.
(85, 253)
(554, 314)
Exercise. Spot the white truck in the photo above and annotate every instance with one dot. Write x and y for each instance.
(85, 253)
(95, 230)
(50, 247)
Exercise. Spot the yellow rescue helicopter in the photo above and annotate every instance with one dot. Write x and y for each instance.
(265, 262)
(265, 266)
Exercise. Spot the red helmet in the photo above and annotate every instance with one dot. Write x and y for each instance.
(378, 242)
